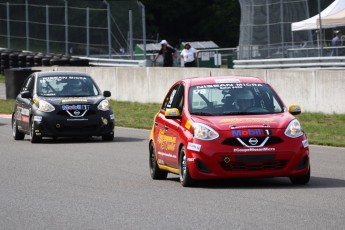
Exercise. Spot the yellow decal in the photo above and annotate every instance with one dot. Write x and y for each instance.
(187, 125)
(246, 120)
(166, 142)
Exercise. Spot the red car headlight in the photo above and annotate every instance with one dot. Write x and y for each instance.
(294, 129)
(204, 132)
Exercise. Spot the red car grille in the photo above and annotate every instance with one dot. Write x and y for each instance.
(253, 166)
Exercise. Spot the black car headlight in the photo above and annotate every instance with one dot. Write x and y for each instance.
(104, 105)
(45, 106)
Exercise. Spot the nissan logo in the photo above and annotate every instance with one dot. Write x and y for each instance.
(253, 141)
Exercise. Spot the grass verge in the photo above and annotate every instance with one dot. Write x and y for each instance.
(322, 129)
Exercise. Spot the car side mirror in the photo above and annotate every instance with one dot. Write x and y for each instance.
(173, 113)
(106, 93)
(295, 109)
(26, 94)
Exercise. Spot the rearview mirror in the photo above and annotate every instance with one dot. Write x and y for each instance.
(26, 94)
(295, 109)
(106, 93)
(173, 113)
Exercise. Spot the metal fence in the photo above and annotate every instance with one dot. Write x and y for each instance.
(87, 28)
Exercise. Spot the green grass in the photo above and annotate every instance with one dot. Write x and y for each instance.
(2, 78)
(322, 129)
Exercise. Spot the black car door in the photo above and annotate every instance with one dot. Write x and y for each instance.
(24, 104)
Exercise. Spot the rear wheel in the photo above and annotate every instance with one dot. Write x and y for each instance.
(185, 178)
(15, 132)
(155, 171)
(33, 136)
(300, 180)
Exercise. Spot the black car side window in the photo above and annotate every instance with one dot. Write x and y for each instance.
(28, 85)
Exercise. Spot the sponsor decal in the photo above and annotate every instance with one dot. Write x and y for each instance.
(38, 118)
(160, 161)
(166, 155)
(246, 132)
(255, 150)
(191, 159)
(305, 143)
(25, 112)
(112, 117)
(75, 107)
(194, 147)
(25, 119)
(44, 79)
(78, 99)
(232, 121)
(78, 119)
(166, 142)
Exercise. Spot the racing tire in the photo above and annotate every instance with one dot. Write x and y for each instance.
(300, 180)
(108, 137)
(33, 136)
(155, 172)
(185, 178)
(15, 132)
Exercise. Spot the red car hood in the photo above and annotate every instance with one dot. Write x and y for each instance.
(222, 123)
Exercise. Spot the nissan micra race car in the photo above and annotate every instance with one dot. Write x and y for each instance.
(227, 127)
(62, 104)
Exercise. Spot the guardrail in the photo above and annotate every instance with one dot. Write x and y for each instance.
(307, 62)
(116, 62)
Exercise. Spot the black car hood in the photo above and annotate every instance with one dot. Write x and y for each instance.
(73, 100)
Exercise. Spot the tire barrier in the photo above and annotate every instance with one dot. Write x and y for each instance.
(10, 59)
(14, 79)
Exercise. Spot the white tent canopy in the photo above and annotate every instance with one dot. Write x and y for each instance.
(313, 22)
(333, 20)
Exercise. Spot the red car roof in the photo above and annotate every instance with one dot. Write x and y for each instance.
(223, 79)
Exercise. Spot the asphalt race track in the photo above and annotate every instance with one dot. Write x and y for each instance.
(88, 184)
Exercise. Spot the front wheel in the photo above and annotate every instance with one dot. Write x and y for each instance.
(155, 171)
(33, 135)
(15, 132)
(185, 178)
(300, 180)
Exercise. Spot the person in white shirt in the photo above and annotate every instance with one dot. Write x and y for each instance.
(189, 55)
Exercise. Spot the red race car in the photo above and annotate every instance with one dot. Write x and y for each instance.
(227, 127)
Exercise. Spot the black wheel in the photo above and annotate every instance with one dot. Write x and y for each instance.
(300, 180)
(185, 178)
(15, 132)
(155, 171)
(33, 136)
(108, 137)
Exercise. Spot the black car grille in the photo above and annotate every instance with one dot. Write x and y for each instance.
(254, 163)
(65, 114)
(78, 128)
(235, 142)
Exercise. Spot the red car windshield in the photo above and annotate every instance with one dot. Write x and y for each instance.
(229, 99)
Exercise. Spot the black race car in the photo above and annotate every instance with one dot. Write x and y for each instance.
(62, 104)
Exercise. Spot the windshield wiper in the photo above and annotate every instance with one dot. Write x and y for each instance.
(202, 114)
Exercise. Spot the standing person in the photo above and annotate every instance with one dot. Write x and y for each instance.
(336, 42)
(168, 53)
(189, 55)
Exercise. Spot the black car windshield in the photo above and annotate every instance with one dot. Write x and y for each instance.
(233, 99)
(66, 86)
